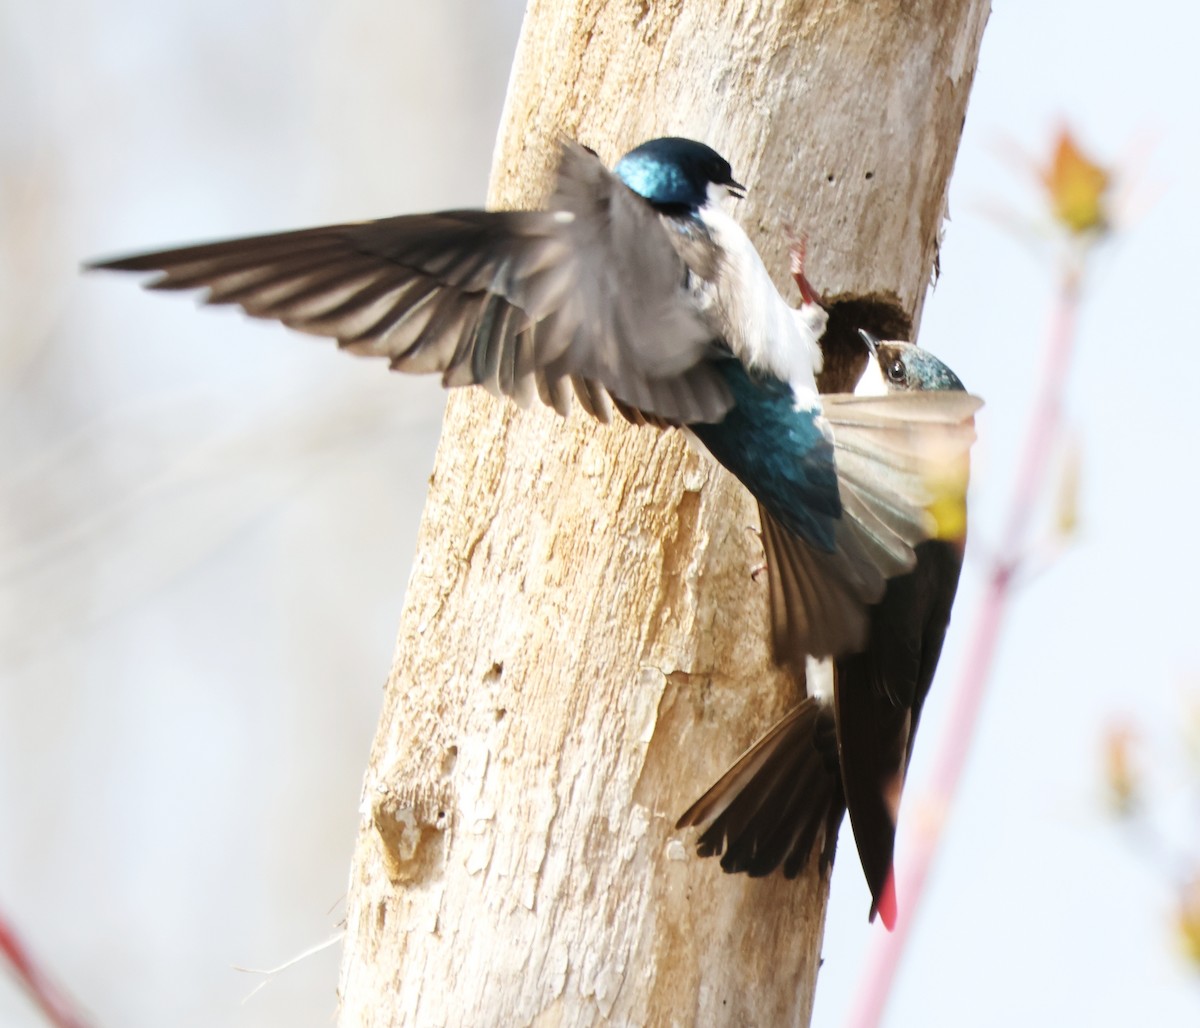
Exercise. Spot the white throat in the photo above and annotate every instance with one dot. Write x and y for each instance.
(871, 383)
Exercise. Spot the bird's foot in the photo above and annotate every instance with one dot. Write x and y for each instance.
(798, 251)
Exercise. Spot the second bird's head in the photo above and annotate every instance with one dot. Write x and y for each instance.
(899, 367)
(678, 174)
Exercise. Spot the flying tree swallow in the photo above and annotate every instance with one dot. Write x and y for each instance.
(634, 288)
(847, 748)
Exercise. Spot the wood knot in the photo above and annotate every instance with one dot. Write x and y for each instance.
(411, 835)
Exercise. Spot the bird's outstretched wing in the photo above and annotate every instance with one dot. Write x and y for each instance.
(902, 463)
(588, 293)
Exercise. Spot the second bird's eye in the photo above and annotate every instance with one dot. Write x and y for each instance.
(895, 371)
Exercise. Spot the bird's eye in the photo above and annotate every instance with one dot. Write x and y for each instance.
(895, 372)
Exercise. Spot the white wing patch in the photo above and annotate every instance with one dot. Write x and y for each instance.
(818, 678)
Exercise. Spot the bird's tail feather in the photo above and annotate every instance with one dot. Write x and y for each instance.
(778, 802)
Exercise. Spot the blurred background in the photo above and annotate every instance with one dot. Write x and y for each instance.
(206, 524)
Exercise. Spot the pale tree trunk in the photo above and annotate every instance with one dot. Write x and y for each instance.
(583, 648)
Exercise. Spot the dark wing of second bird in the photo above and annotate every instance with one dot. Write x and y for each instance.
(879, 694)
(787, 793)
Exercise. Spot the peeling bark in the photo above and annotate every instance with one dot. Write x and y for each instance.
(582, 648)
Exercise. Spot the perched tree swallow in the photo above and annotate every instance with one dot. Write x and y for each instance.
(634, 286)
(848, 748)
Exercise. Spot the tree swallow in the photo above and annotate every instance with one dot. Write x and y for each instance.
(848, 748)
(634, 286)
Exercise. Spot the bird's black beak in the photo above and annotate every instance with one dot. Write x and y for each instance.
(736, 189)
(871, 340)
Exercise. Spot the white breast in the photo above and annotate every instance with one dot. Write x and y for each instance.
(763, 330)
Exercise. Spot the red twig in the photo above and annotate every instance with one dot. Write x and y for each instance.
(1044, 429)
(53, 1002)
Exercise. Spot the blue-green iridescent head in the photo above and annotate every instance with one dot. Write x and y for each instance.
(907, 368)
(673, 172)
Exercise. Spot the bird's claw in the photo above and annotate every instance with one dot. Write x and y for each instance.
(798, 252)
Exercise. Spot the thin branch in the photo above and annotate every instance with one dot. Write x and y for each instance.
(268, 974)
(58, 1008)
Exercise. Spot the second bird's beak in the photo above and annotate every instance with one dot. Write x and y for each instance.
(736, 189)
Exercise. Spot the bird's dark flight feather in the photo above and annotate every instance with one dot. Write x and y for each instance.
(590, 292)
(878, 697)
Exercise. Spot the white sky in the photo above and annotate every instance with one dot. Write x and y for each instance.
(163, 468)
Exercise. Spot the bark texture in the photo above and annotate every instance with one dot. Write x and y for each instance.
(583, 648)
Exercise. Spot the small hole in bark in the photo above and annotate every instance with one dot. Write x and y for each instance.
(501, 713)
(829, 177)
(870, 174)
(494, 672)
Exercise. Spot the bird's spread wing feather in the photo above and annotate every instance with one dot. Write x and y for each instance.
(902, 476)
(818, 600)
(588, 296)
